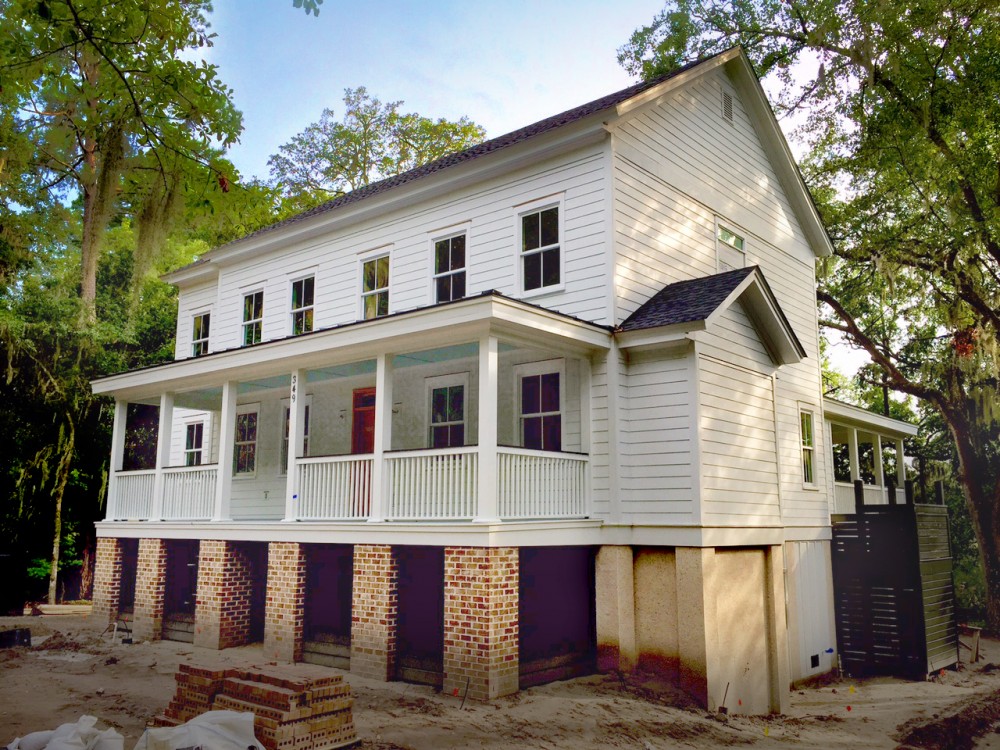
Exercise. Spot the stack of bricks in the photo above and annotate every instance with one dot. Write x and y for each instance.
(107, 579)
(289, 713)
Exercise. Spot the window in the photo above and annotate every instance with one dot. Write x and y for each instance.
(302, 305)
(540, 262)
(731, 249)
(253, 317)
(193, 443)
(446, 395)
(199, 335)
(375, 287)
(541, 413)
(283, 467)
(245, 450)
(808, 447)
(449, 268)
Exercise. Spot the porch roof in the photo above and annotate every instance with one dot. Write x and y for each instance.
(855, 416)
(489, 313)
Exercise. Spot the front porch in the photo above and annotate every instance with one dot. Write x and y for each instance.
(487, 430)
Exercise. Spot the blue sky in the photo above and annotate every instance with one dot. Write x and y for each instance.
(504, 64)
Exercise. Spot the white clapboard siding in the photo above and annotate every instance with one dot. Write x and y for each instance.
(738, 463)
(655, 443)
(195, 300)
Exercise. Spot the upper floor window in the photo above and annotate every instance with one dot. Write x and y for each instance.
(540, 260)
(253, 317)
(193, 441)
(449, 268)
(245, 449)
(447, 410)
(731, 249)
(540, 406)
(375, 287)
(808, 447)
(199, 335)
(303, 292)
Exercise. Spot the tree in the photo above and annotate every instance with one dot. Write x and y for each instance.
(899, 106)
(373, 140)
(103, 98)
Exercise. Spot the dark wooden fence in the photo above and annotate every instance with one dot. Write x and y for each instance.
(892, 582)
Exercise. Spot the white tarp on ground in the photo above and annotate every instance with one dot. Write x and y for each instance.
(215, 730)
(80, 735)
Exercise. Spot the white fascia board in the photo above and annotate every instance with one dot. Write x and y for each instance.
(582, 532)
(745, 78)
(665, 337)
(564, 139)
(200, 270)
(398, 334)
(855, 416)
(693, 536)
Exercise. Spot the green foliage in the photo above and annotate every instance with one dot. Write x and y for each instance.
(374, 140)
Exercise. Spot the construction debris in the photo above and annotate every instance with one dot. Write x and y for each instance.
(289, 713)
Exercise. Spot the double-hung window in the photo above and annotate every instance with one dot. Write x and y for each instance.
(730, 248)
(253, 317)
(540, 418)
(808, 447)
(540, 253)
(375, 287)
(303, 293)
(447, 410)
(193, 441)
(245, 449)
(449, 268)
(199, 335)
(283, 468)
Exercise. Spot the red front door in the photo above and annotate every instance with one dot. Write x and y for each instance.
(363, 422)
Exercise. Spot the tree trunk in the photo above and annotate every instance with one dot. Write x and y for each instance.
(62, 478)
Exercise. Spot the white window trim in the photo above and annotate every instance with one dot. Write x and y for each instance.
(529, 369)
(286, 405)
(441, 381)
(246, 409)
(432, 239)
(208, 339)
(292, 280)
(719, 244)
(243, 323)
(203, 450)
(813, 485)
(551, 201)
(368, 255)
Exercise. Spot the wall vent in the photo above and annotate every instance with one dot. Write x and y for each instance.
(727, 106)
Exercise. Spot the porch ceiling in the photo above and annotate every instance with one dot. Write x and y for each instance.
(334, 351)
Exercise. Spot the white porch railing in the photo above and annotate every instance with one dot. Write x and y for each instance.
(189, 492)
(432, 484)
(334, 488)
(133, 495)
(537, 484)
(843, 496)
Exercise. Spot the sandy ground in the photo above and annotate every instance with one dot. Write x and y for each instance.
(77, 671)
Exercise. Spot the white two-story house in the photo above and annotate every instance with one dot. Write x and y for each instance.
(542, 407)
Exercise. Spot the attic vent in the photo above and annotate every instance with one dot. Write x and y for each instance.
(727, 105)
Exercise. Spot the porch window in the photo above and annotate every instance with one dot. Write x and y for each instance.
(808, 447)
(541, 417)
(449, 268)
(375, 287)
(303, 292)
(245, 451)
(283, 467)
(253, 317)
(193, 442)
(540, 254)
(199, 335)
(447, 418)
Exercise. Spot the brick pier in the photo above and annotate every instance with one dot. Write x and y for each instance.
(150, 583)
(284, 617)
(374, 612)
(107, 579)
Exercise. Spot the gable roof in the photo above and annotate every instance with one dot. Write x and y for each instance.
(693, 304)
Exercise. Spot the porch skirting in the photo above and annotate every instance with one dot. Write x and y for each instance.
(482, 621)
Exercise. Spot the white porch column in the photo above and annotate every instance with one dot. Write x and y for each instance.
(852, 447)
(164, 429)
(296, 437)
(227, 442)
(585, 431)
(383, 435)
(900, 466)
(489, 363)
(877, 449)
(117, 457)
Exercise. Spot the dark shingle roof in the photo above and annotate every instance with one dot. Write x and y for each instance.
(686, 301)
(487, 147)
